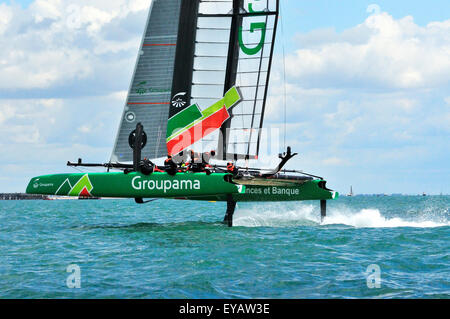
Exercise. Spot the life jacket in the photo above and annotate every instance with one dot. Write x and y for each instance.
(230, 167)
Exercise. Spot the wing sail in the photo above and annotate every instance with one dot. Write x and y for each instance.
(231, 56)
(201, 78)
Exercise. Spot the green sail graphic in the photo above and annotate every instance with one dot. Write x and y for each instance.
(192, 115)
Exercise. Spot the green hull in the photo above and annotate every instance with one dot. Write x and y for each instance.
(278, 192)
(193, 186)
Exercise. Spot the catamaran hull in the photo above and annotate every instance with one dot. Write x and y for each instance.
(192, 186)
(309, 190)
(132, 185)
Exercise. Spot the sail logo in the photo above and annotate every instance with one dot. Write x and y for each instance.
(178, 101)
(143, 88)
(254, 26)
(192, 124)
(37, 185)
(165, 185)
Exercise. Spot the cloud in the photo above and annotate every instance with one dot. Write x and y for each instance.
(54, 44)
(380, 53)
(6, 112)
(5, 17)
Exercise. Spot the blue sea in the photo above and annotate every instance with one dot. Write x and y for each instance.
(367, 247)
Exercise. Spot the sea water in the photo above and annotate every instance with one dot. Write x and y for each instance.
(367, 247)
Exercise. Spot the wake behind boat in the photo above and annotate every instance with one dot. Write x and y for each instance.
(200, 84)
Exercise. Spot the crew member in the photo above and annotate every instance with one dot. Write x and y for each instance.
(180, 159)
(231, 168)
(196, 164)
(206, 157)
(147, 166)
(170, 166)
(194, 157)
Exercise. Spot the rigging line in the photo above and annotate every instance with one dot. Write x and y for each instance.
(284, 76)
(256, 95)
(78, 169)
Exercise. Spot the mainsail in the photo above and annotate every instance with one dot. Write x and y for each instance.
(217, 67)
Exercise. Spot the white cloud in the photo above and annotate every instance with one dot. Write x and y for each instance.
(5, 17)
(84, 129)
(55, 42)
(46, 9)
(120, 95)
(381, 52)
(44, 69)
(6, 112)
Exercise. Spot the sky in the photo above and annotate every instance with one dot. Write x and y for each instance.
(367, 82)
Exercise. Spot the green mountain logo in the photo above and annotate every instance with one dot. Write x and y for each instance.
(83, 187)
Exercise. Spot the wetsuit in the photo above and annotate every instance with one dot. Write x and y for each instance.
(147, 167)
(170, 166)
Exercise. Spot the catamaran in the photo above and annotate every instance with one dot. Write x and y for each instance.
(200, 83)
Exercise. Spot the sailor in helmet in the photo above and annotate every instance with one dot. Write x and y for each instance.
(232, 169)
(206, 157)
(170, 166)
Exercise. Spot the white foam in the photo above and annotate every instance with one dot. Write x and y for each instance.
(273, 215)
(372, 218)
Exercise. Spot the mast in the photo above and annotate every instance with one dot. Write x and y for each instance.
(230, 76)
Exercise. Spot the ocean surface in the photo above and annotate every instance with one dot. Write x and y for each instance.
(368, 247)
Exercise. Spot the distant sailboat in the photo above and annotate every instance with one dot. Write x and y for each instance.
(351, 192)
